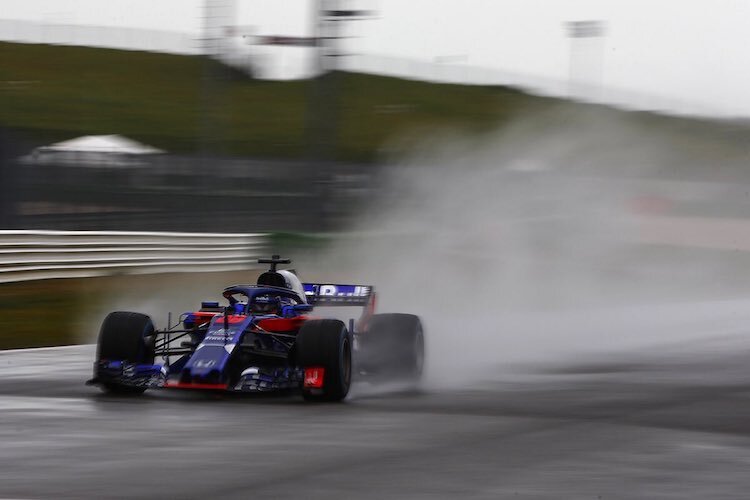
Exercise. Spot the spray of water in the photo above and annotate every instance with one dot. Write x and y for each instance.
(525, 245)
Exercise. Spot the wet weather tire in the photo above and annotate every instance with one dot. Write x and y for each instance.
(394, 344)
(326, 344)
(129, 337)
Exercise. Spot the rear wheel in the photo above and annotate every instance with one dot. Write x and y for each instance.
(326, 344)
(127, 337)
(393, 346)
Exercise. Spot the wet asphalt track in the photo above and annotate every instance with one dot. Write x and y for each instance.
(671, 423)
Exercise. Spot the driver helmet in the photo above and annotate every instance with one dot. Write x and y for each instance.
(265, 304)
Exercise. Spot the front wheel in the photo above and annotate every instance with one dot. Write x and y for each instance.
(324, 351)
(126, 337)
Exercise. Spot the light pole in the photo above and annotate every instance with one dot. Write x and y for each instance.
(586, 59)
(323, 106)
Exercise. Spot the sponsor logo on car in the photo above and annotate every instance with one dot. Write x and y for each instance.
(341, 291)
(314, 377)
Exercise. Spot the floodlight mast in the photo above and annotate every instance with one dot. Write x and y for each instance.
(322, 108)
(329, 20)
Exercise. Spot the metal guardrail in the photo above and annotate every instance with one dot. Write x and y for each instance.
(32, 255)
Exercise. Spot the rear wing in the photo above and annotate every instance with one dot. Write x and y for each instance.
(325, 294)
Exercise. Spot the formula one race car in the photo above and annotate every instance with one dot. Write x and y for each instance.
(264, 339)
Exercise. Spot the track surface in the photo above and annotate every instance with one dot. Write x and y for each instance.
(670, 423)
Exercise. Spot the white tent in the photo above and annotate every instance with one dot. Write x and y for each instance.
(114, 144)
(110, 150)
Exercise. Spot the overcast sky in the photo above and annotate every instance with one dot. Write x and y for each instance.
(692, 51)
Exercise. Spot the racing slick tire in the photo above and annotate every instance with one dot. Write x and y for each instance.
(126, 336)
(394, 343)
(326, 344)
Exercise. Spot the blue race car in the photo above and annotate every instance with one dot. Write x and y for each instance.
(263, 339)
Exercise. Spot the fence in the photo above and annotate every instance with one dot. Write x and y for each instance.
(31, 255)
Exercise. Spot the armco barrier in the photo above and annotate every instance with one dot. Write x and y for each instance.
(32, 255)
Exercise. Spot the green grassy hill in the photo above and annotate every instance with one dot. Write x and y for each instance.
(59, 92)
